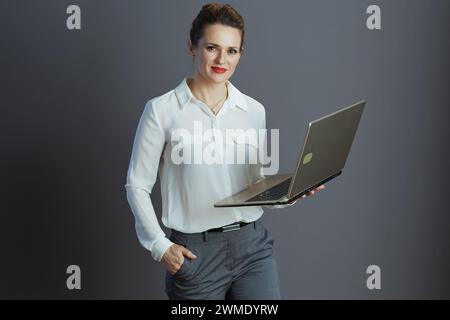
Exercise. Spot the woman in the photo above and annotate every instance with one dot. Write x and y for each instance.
(204, 259)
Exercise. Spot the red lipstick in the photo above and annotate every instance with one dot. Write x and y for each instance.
(218, 69)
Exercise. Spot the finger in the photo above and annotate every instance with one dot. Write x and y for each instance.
(320, 187)
(189, 254)
(181, 260)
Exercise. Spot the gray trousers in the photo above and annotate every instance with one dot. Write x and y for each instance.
(233, 265)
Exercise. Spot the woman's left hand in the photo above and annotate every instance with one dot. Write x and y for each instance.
(308, 194)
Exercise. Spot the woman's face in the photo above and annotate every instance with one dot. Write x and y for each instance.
(217, 53)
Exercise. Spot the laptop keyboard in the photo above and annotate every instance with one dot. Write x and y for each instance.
(274, 193)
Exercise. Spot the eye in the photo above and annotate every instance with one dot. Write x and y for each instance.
(210, 48)
(232, 51)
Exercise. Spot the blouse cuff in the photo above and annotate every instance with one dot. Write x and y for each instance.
(160, 247)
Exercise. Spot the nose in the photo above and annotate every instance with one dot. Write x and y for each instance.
(221, 56)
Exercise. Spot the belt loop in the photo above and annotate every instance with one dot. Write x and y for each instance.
(205, 235)
(254, 224)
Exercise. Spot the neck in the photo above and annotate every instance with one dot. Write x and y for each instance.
(205, 91)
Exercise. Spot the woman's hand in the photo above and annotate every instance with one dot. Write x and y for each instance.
(310, 193)
(173, 258)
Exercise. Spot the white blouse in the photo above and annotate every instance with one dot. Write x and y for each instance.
(189, 190)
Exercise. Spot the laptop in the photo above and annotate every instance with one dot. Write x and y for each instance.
(321, 159)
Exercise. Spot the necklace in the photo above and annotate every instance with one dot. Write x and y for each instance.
(216, 108)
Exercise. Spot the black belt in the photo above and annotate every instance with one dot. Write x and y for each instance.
(230, 227)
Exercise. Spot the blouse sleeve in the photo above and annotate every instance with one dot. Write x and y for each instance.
(148, 146)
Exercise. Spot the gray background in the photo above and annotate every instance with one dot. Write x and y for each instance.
(71, 101)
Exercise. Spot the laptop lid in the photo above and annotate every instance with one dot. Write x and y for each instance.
(326, 147)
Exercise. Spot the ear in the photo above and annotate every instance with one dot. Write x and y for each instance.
(191, 47)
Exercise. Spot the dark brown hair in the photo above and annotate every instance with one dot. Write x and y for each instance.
(213, 13)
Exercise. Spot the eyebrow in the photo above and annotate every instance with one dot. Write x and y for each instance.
(216, 45)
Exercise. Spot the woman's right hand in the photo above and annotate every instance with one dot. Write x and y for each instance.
(173, 258)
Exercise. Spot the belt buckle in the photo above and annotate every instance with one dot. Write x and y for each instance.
(231, 227)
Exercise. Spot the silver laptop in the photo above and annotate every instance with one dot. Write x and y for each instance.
(322, 158)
